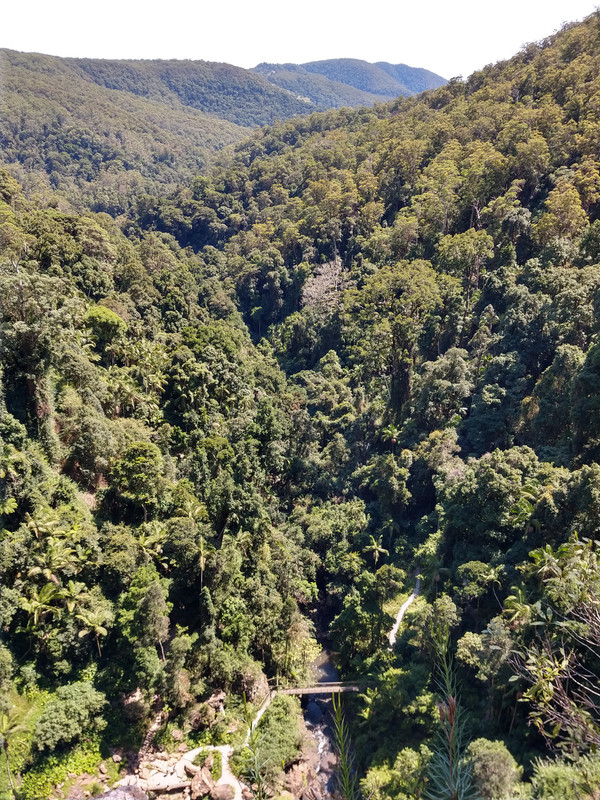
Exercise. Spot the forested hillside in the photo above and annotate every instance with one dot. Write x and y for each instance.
(99, 132)
(96, 146)
(248, 415)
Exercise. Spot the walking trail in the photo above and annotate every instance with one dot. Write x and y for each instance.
(227, 776)
(392, 635)
(226, 750)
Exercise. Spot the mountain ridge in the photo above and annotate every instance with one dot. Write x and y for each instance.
(101, 130)
(364, 83)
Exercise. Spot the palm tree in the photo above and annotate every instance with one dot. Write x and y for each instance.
(74, 594)
(205, 549)
(376, 549)
(94, 622)
(195, 510)
(151, 538)
(391, 526)
(244, 541)
(493, 576)
(45, 523)
(9, 726)
(517, 609)
(56, 557)
(390, 434)
(39, 604)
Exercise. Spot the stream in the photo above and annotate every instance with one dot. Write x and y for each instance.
(317, 708)
(317, 718)
(169, 774)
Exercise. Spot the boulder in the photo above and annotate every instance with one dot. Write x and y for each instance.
(202, 783)
(124, 793)
(180, 770)
(191, 769)
(217, 701)
(166, 783)
(222, 792)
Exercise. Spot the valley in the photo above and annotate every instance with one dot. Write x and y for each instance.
(279, 389)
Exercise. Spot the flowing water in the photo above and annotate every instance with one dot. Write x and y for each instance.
(317, 717)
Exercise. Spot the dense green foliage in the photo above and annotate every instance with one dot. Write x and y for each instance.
(93, 144)
(363, 348)
(100, 132)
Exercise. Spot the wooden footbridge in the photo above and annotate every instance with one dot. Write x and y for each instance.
(324, 688)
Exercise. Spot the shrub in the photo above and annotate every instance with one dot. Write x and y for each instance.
(39, 783)
(494, 769)
(557, 780)
(76, 709)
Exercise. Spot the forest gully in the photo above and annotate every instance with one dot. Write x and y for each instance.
(300, 430)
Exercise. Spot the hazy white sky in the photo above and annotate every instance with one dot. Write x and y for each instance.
(450, 37)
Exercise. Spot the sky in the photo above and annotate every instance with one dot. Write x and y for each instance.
(450, 37)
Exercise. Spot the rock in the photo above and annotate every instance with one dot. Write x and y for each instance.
(166, 783)
(177, 735)
(209, 761)
(222, 792)
(202, 783)
(180, 770)
(183, 748)
(247, 794)
(102, 768)
(190, 768)
(117, 758)
(217, 701)
(124, 793)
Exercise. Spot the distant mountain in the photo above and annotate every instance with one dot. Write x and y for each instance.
(102, 131)
(61, 130)
(238, 95)
(415, 79)
(318, 90)
(349, 81)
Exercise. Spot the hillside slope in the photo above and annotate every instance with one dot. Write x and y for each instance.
(101, 131)
(232, 93)
(334, 83)
(94, 144)
(439, 258)
(364, 347)
(382, 79)
(323, 92)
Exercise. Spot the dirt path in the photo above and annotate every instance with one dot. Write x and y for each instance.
(226, 750)
(261, 710)
(227, 776)
(392, 635)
